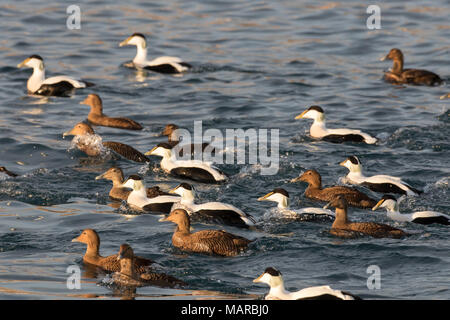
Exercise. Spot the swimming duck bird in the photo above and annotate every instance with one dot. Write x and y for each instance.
(422, 217)
(53, 86)
(281, 196)
(215, 211)
(138, 197)
(110, 263)
(87, 141)
(273, 278)
(96, 116)
(314, 191)
(378, 183)
(319, 130)
(168, 65)
(214, 242)
(7, 172)
(343, 227)
(118, 192)
(190, 169)
(398, 75)
(129, 276)
(170, 130)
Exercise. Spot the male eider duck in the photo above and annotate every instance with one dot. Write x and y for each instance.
(110, 263)
(398, 75)
(169, 65)
(213, 242)
(343, 227)
(379, 183)
(53, 86)
(421, 217)
(314, 191)
(319, 130)
(118, 192)
(129, 276)
(273, 278)
(281, 196)
(190, 169)
(87, 141)
(138, 197)
(7, 172)
(96, 116)
(170, 130)
(216, 211)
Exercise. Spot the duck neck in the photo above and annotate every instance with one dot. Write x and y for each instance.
(184, 226)
(279, 291)
(127, 267)
(36, 79)
(283, 203)
(341, 218)
(398, 66)
(187, 198)
(93, 249)
(141, 54)
(96, 108)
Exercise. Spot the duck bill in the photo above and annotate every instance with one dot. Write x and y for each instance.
(328, 205)
(67, 133)
(444, 96)
(378, 205)
(258, 279)
(300, 116)
(173, 190)
(149, 153)
(84, 101)
(384, 58)
(164, 219)
(296, 179)
(76, 239)
(124, 42)
(342, 163)
(23, 63)
(265, 197)
(102, 176)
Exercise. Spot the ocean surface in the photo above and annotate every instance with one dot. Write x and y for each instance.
(257, 64)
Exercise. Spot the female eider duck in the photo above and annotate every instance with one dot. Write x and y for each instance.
(281, 196)
(138, 197)
(319, 130)
(118, 192)
(314, 191)
(170, 130)
(53, 86)
(190, 169)
(421, 217)
(273, 278)
(110, 263)
(343, 227)
(215, 211)
(379, 183)
(213, 242)
(87, 141)
(7, 172)
(398, 75)
(169, 65)
(129, 276)
(96, 116)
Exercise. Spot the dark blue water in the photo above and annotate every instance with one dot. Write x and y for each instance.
(257, 65)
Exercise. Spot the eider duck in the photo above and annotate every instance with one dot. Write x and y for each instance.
(170, 130)
(319, 130)
(344, 227)
(129, 276)
(273, 278)
(7, 172)
(96, 116)
(281, 196)
(215, 211)
(138, 197)
(314, 191)
(87, 141)
(398, 75)
(110, 263)
(213, 242)
(170, 65)
(190, 169)
(422, 217)
(53, 86)
(379, 183)
(118, 192)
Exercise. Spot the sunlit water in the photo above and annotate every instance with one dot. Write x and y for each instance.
(256, 65)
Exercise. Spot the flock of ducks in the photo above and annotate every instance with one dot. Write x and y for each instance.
(179, 205)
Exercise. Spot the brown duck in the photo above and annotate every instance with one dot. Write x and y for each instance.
(9, 173)
(398, 75)
(109, 263)
(314, 191)
(129, 276)
(118, 192)
(214, 242)
(84, 130)
(173, 138)
(344, 228)
(97, 117)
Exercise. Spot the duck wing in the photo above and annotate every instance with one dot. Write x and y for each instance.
(126, 151)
